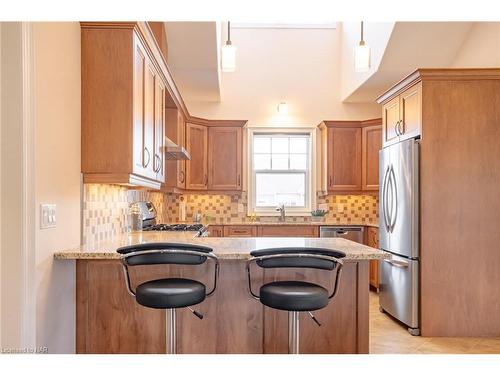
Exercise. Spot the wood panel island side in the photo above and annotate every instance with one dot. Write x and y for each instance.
(108, 320)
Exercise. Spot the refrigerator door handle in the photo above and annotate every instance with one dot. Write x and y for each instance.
(397, 263)
(394, 192)
(384, 198)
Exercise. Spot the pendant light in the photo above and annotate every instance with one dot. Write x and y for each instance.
(228, 53)
(362, 55)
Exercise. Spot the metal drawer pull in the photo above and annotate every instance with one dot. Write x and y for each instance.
(397, 263)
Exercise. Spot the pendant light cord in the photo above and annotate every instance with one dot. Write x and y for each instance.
(228, 32)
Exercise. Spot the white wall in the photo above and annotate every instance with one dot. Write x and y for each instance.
(12, 286)
(57, 102)
(481, 47)
(299, 66)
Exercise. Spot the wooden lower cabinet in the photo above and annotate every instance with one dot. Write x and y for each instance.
(216, 231)
(372, 241)
(109, 320)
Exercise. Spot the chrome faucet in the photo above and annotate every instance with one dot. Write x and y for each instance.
(281, 209)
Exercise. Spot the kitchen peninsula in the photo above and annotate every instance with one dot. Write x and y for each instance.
(108, 320)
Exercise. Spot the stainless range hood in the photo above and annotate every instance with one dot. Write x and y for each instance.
(175, 152)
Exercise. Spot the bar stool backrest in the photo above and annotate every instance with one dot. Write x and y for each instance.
(297, 257)
(164, 253)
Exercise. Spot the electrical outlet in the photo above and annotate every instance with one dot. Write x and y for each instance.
(241, 208)
(47, 216)
(340, 207)
(323, 206)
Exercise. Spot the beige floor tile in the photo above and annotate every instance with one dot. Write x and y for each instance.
(387, 336)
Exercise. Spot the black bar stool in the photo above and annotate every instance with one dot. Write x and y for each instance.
(168, 293)
(296, 296)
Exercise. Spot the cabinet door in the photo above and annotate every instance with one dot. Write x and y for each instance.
(150, 80)
(372, 241)
(181, 141)
(390, 119)
(224, 158)
(344, 159)
(196, 168)
(216, 231)
(159, 130)
(139, 159)
(372, 142)
(411, 112)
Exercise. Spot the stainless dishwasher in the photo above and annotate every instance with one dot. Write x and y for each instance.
(352, 233)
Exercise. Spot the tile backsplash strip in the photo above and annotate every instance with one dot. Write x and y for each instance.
(105, 209)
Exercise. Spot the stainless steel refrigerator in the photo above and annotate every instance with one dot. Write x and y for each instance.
(399, 232)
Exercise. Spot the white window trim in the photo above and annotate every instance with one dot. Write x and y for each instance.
(310, 184)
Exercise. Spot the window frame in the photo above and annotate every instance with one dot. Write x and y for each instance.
(310, 190)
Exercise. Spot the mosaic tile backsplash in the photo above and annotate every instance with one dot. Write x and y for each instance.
(105, 209)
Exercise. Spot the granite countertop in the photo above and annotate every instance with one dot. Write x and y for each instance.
(322, 223)
(224, 247)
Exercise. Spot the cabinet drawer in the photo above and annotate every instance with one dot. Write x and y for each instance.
(288, 231)
(240, 231)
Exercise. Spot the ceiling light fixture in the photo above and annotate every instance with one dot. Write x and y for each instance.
(282, 108)
(362, 55)
(228, 53)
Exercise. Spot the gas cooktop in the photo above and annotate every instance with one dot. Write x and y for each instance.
(175, 227)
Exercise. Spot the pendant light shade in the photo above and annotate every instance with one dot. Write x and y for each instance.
(362, 55)
(228, 53)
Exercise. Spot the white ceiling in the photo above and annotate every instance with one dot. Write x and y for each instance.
(412, 45)
(193, 57)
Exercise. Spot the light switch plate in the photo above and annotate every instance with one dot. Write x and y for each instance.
(47, 216)
(241, 208)
(323, 206)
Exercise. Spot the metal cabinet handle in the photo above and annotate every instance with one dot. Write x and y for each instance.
(401, 127)
(206, 179)
(396, 128)
(240, 231)
(397, 263)
(239, 180)
(330, 183)
(159, 161)
(144, 164)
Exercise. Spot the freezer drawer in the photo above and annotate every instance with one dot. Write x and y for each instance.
(399, 289)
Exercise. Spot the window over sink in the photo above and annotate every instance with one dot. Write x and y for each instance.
(280, 171)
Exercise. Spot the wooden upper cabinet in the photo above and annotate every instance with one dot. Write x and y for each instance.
(371, 145)
(176, 132)
(159, 130)
(224, 158)
(197, 167)
(390, 120)
(402, 116)
(123, 101)
(344, 158)
(411, 112)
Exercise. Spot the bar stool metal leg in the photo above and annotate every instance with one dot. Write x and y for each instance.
(293, 332)
(171, 332)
